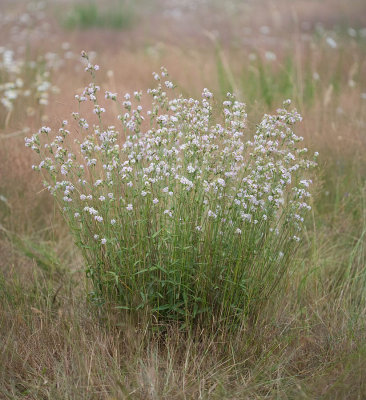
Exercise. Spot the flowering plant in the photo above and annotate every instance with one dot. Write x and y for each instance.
(25, 83)
(178, 213)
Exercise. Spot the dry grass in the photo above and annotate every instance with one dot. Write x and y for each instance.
(55, 345)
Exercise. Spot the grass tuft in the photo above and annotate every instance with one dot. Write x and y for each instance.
(92, 14)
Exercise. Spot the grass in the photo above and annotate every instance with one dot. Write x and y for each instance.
(89, 14)
(298, 76)
(307, 343)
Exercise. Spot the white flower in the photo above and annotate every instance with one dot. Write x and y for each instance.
(270, 56)
(111, 96)
(206, 94)
(238, 231)
(186, 182)
(98, 109)
(113, 221)
(91, 210)
(247, 217)
(352, 32)
(221, 182)
(168, 212)
(331, 42)
(45, 129)
(211, 214)
(129, 207)
(90, 67)
(103, 240)
(155, 201)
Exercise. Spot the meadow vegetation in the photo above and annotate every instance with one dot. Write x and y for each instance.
(92, 14)
(145, 275)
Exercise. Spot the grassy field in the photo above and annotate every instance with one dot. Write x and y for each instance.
(308, 339)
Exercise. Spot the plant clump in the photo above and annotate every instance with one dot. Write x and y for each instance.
(178, 212)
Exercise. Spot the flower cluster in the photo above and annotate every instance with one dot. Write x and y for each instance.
(177, 182)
